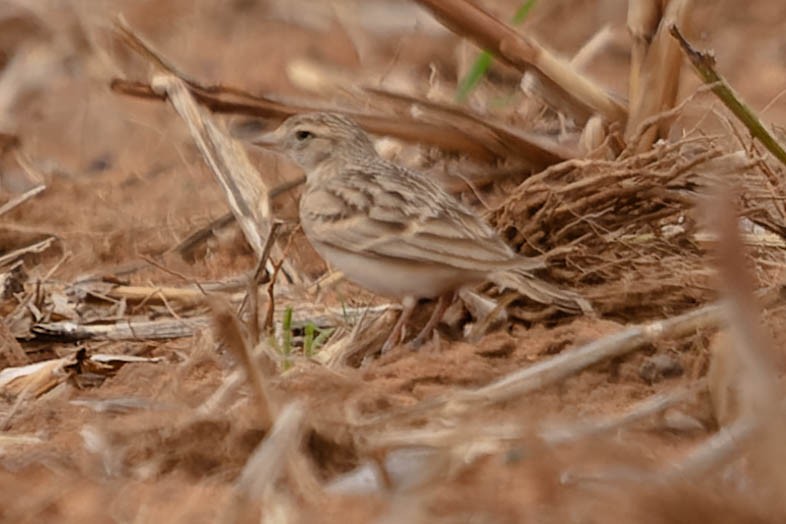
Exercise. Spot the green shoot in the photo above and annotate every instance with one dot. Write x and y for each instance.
(313, 338)
(285, 348)
(308, 339)
(484, 59)
(312, 341)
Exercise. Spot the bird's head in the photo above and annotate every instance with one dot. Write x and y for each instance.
(312, 139)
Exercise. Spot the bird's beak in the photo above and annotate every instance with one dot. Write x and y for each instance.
(270, 140)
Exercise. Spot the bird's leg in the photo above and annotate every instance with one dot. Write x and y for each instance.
(407, 306)
(443, 303)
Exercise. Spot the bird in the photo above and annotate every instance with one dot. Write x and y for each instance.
(389, 229)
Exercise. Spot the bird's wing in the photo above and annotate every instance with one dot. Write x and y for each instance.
(397, 213)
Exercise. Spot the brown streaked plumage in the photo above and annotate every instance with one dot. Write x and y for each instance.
(387, 228)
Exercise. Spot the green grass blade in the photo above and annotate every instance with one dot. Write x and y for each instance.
(286, 332)
(484, 59)
(324, 334)
(474, 76)
(308, 340)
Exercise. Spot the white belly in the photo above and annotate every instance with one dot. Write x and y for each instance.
(397, 278)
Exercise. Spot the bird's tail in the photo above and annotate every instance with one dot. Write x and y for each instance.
(540, 291)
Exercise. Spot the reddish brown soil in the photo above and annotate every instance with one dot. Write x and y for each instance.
(124, 180)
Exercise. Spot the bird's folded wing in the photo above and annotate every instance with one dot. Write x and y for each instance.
(417, 241)
(399, 214)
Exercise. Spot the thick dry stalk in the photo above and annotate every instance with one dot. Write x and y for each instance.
(643, 18)
(657, 79)
(221, 99)
(470, 21)
(246, 193)
(538, 150)
(465, 139)
(754, 358)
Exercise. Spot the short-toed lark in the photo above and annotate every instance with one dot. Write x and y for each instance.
(389, 229)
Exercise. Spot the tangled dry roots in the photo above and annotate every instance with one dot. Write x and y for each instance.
(624, 233)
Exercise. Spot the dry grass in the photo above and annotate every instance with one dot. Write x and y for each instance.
(127, 393)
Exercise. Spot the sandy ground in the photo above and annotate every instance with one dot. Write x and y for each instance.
(124, 181)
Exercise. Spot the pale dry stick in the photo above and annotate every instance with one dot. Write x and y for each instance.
(649, 122)
(266, 462)
(326, 281)
(21, 199)
(753, 362)
(168, 307)
(195, 238)
(271, 459)
(182, 296)
(555, 435)
(719, 449)
(191, 280)
(18, 440)
(600, 425)
(593, 47)
(489, 439)
(172, 328)
(569, 362)
(62, 260)
(154, 292)
(774, 100)
(532, 83)
(229, 329)
(38, 247)
(125, 330)
(218, 399)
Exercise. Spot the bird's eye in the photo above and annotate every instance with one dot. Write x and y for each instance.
(303, 135)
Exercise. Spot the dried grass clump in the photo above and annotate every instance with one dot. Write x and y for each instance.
(622, 232)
